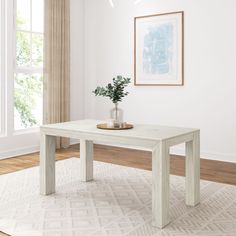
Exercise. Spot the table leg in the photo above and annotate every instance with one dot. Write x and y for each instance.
(86, 160)
(160, 185)
(47, 164)
(192, 170)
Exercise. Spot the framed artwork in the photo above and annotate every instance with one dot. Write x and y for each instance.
(159, 50)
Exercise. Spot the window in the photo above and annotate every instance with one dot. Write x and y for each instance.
(21, 75)
(28, 64)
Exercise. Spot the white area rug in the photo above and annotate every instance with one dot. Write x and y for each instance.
(117, 202)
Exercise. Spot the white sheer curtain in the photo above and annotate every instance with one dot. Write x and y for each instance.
(57, 63)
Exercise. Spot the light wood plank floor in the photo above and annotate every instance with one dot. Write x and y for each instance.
(3, 234)
(217, 171)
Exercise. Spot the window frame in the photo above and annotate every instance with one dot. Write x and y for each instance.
(3, 68)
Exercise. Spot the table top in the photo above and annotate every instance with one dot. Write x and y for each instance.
(148, 132)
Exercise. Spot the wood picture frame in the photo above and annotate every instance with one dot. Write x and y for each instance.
(159, 49)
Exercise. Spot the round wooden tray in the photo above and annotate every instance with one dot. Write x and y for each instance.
(104, 126)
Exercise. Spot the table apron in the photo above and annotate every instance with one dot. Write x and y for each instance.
(136, 142)
(179, 139)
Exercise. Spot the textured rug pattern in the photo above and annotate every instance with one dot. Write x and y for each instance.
(117, 202)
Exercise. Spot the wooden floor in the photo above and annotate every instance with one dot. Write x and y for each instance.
(217, 171)
(3, 234)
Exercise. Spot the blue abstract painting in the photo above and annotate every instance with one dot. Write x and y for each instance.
(157, 50)
(159, 47)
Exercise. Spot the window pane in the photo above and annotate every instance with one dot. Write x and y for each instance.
(23, 14)
(23, 57)
(37, 16)
(27, 101)
(37, 50)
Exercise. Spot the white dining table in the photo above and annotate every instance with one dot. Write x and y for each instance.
(156, 138)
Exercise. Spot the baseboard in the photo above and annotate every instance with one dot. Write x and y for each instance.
(74, 141)
(174, 150)
(181, 151)
(207, 155)
(19, 152)
(26, 150)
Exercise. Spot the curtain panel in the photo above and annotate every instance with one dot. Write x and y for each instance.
(57, 64)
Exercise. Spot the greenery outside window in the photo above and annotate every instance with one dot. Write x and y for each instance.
(28, 66)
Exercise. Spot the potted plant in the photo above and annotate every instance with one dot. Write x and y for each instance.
(116, 92)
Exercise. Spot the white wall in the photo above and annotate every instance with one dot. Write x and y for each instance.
(207, 101)
(90, 47)
(20, 143)
(77, 58)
